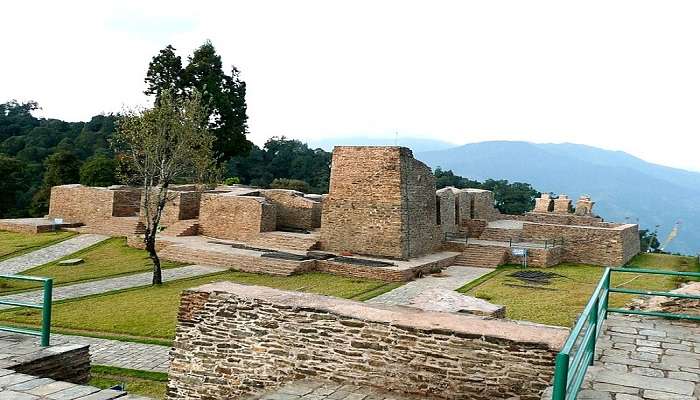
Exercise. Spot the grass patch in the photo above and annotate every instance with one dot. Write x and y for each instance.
(13, 244)
(145, 383)
(109, 258)
(151, 312)
(669, 262)
(564, 298)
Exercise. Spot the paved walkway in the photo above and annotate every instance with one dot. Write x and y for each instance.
(645, 358)
(112, 284)
(452, 278)
(48, 254)
(115, 353)
(320, 390)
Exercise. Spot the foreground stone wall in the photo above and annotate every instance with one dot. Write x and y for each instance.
(381, 202)
(293, 209)
(234, 217)
(589, 245)
(233, 340)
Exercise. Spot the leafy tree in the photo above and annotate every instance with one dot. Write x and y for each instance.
(61, 168)
(223, 94)
(648, 241)
(291, 184)
(164, 73)
(12, 183)
(98, 170)
(164, 144)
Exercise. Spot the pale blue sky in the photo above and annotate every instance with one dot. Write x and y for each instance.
(622, 75)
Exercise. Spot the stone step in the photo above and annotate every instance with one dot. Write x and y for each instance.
(285, 240)
(482, 256)
(185, 227)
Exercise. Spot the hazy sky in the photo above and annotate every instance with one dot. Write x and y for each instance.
(621, 75)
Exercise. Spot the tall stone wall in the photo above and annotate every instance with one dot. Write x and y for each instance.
(227, 216)
(589, 245)
(293, 209)
(381, 202)
(448, 210)
(84, 204)
(233, 340)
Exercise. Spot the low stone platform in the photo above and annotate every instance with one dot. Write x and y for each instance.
(32, 225)
(210, 251)
(58, 372)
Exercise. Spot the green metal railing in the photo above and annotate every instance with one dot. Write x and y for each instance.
(578, 351)
(45, 306)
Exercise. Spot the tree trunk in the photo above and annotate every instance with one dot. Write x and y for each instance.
(150, 240)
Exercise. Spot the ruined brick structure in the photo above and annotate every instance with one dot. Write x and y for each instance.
(233, 340)
(229, 216)
(381, 203)
(448, 210)
(77, 203)
(294, 210)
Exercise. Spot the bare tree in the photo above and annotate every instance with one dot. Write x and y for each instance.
(163, 145)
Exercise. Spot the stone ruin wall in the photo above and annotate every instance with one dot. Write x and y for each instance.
(235, 217)
(375, 208)
(448, 218)
(293, 209)
(569, 219)
(422, 234)
(233, 340)
(77, 203)
(589, 245)
(481, 204)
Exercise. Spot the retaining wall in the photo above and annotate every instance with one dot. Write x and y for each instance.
(233, 340)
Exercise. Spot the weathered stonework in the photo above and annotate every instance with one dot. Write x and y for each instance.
(77, 203)
(544, 203)
(589, 245)
(448, 208)
(481, 204)
(381, 203)
(294, 210)
(584, 206)
(233, 340)
(227, 216)
(562, 204)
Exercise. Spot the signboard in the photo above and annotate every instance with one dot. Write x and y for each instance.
(519, 252)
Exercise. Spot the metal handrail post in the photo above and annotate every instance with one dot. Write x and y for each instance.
(46, 313)
(561, 376)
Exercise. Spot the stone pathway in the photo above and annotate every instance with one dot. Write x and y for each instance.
(48, 254)
(16, 386)
(645, 358)
(112, 284)
(321, 390)
(115, 353)
(452, 278)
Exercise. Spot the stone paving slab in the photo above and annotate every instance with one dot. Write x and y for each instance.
(16, 386)
(323, 390)
(115, 353)
(452, 278)
(643, 358)
(49, 254)
(111, 284)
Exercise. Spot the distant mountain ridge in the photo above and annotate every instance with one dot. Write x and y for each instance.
(625, 187)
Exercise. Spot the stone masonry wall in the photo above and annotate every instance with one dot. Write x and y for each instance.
(448, 221)
(293, 209)
(233, 340)
(589, 245)
(563, 219)
(422, 234)
(235, 217)
(93, 205)
(481, 204)
(381, 202)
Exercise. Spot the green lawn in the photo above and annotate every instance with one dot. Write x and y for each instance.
(150, 313)
(561, 301)
(144, 383)
(13, 244)
(111, 257)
